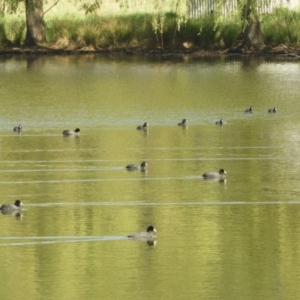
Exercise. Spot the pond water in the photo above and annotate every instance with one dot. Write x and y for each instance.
(237, 238)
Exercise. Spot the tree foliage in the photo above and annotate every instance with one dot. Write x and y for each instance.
(89, 6)
(11, 6)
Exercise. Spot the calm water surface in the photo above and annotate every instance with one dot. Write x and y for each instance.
(232, 239)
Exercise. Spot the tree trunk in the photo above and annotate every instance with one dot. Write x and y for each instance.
(253, 37)
(35, 28)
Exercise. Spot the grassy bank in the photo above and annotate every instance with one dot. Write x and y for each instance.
(145, 31)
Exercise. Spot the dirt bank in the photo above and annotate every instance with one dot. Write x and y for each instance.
(282, 50)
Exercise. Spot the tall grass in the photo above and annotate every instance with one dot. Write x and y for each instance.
(98, 31)
(12, 31)
(211, 31)
(3, 39)
(282, 26)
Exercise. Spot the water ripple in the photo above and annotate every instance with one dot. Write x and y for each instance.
(37, 240)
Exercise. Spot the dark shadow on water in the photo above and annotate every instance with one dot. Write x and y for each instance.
(220, 180)
(149, 241)
(16, 214)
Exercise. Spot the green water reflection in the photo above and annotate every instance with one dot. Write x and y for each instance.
(232, 239)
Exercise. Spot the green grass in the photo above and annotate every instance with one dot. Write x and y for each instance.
(282, 26)
(101, 31)
(212, 31)
(229, 32)
(12, 31)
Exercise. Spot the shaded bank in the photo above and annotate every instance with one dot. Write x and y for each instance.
(281, 50)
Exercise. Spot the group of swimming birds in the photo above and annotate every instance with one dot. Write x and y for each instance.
(16, 207)
(184, 123)
(143, 166)
(148, 234)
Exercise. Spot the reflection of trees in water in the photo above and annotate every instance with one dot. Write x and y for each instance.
(34, 62)
(252, 62)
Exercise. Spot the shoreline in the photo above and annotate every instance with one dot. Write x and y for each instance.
(279, 51)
